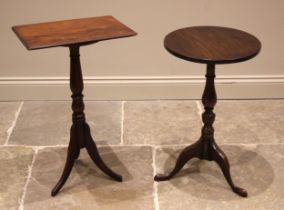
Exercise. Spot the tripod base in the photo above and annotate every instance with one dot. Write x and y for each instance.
(205, 150)
(81, 138)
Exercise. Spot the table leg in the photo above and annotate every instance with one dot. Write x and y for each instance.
(206, 147)
(80, 130)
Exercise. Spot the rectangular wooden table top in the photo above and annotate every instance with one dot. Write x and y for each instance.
(68, 32)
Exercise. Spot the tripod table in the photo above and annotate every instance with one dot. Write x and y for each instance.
(209, 45)
(73, 34)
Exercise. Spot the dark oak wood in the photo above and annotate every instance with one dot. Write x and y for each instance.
(204, 49)
(219, 45)
(68, 32)
(73, 34)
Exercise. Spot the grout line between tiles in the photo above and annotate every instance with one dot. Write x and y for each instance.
(155, 184)
(187, 144)
(10, 130)
(122, 123)
(33, 147)
(22, 199)
(139, 145)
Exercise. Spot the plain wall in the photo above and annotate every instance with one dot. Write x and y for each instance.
(144, 54)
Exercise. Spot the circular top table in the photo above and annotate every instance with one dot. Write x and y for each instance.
(212, 44)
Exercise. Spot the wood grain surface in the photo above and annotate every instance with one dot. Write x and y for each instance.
(212, 44)
(68, 32)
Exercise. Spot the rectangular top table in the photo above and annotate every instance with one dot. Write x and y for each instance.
(67, 32)
(73, 34)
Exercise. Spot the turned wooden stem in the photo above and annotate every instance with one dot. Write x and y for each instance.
(80, 130)
(76, 84)
(209, 100)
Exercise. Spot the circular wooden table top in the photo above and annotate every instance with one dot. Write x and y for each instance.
(212, 44)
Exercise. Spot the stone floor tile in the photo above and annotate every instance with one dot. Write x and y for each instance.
(104, 118)
(161, 122)
(48, 123)
(201, 185)
(14, 164)
(255, 121)
(88, 188)
(7, 116)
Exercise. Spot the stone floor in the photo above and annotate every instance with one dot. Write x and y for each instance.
(139, 139)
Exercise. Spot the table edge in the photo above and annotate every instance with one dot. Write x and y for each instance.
(206, 61)
(14, 28)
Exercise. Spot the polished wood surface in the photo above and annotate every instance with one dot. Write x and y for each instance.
(68, 32)
(204, 44)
